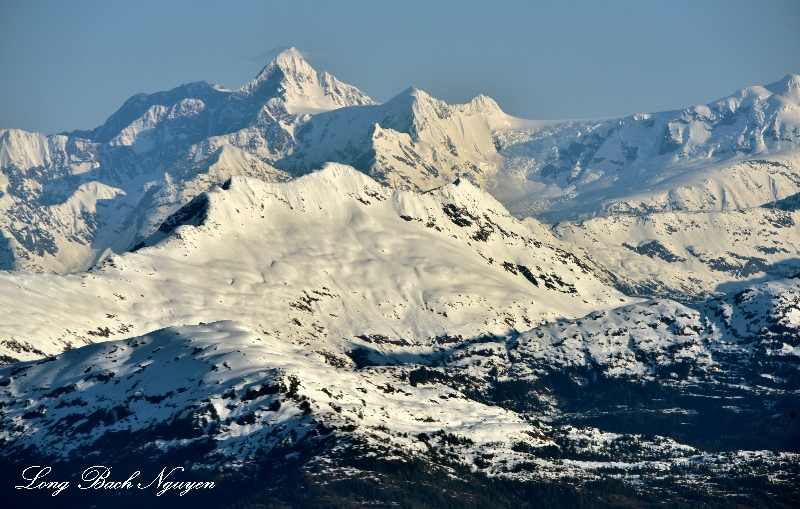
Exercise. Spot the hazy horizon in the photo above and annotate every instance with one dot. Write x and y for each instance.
(70, 65)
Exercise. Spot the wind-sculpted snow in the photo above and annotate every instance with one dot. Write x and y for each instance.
(331, 257)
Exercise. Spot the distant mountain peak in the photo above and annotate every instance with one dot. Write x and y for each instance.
(291, 63)
(415, 98)
(291, 58)
(786, 86)
(790, 81)
(302, 89)
(138, 104)
(484, 104)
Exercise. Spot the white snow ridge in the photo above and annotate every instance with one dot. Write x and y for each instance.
(308, 299)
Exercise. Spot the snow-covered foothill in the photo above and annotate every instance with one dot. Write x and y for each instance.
(222, 388)
(690, 255)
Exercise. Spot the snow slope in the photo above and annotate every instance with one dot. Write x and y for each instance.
(740, 151)
(263, 318)
(412, 142)
(243, 303)
(224, 388)
(694, 254)
(71, 199)
(743, 340)
(224, 395)
(330, 257)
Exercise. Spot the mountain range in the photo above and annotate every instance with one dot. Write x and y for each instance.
(73, 198)
(406, 303)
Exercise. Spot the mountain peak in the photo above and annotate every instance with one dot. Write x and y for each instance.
(288, 65)
(302, 89)
(791, 81)
(483, 104)
(292, 63)
(788, 85)
(409, 97)
(289, 57)
(413, 96)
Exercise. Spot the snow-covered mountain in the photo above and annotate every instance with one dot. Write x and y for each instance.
(412, 142)
(684, 204)
(228, 398)
(740, 151)
(330, 257)
(690, 255)
(350, 298)
(292, 284)
(70, 199)
(239, 391)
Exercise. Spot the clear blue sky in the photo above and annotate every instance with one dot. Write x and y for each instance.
(70, 64)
